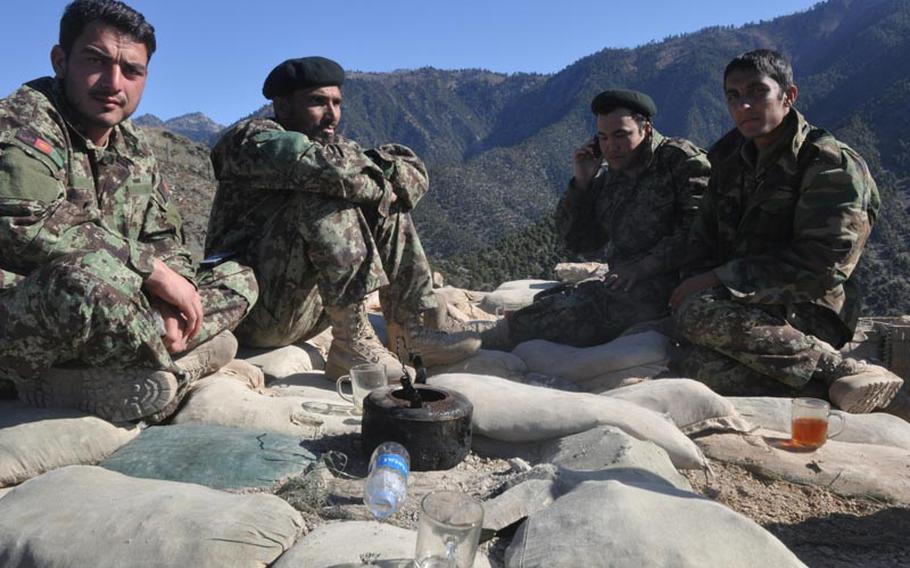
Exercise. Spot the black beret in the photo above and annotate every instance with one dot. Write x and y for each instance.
(302, 73)
(635, 101)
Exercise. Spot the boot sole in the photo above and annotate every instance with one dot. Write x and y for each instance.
(118, 396)
(861, 395)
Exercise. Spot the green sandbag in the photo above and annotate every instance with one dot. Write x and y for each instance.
(214, 456)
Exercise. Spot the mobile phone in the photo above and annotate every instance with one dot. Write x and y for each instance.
(595, 145)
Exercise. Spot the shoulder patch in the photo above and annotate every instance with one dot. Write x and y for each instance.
(30, 138)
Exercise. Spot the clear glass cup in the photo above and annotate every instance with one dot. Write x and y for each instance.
(363, 378)
(809, 419)
(449, 530)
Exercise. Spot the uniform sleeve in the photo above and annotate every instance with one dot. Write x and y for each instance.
(701, 242)
(690, 175)
(162, 228)
(38, 223)
(576, 218)
(285, 160)
(830, 226)
(406, 173)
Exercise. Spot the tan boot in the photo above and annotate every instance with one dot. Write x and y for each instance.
(117, 395)
(860, 387)
(208, 357)
(434, 346)
(355, 343)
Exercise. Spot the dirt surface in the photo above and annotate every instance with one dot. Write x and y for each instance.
(821, 528)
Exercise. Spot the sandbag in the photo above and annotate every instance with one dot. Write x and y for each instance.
(217, 401)
(868, 471)
(514, 295)
(514, 412)
(610, 523)
(284, 361)
(486, 362)
(601, 453)
(36, 440)
(691, 405)
(352, 544)
(214, 456)
(89, 516)
(601, 367)
(877, 428)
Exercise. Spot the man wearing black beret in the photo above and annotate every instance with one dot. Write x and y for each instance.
(631, 202)
(323, 223)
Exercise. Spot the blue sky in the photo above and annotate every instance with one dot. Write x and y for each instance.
(213, 54)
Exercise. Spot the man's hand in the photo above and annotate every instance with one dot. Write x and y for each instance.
(692, 285)
(171, 288)
(174, 337)
(585, 163)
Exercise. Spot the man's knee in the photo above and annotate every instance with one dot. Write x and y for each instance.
(88, 279)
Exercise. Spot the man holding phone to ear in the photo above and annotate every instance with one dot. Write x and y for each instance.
(631, 201)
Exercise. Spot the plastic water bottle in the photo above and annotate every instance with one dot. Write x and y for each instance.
(387, 484)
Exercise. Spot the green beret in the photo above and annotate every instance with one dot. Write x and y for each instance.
(635, 101)
(302, 73)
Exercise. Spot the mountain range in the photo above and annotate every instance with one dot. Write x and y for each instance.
(498, 146)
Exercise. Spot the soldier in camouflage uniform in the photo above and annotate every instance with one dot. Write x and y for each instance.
(635, 192)
(93, 269)
(323, 223)
(782, 226)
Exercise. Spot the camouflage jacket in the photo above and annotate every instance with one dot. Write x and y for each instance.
(59, 194)
(787, 229)
(258, 164)
(645, 216)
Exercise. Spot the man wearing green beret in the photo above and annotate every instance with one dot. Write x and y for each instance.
(631, 201)
(785, 219)
(324, 223)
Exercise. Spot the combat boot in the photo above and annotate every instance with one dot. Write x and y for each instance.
(208, 357)
(859, 387)
(355, 343)
(118, 395)
(436, 347)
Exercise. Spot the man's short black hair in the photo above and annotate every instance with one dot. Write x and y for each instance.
(765, 61)
(79, 14)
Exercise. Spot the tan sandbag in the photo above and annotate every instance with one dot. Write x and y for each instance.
(36, 440)
(486, 362)
(691, 405)
(577, 271)
(515, 412)
(514, 295)
(89, 516)
(223, 401)
(613, 524)
(877, 428)
(285, 361)
(353, 544)
(851, 470)
(600, 367)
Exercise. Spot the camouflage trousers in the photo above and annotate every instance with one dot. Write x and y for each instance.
(90, 309)
(751, 349)
(588, 313)
(318, 251)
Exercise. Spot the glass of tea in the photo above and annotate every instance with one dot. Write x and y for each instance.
(809, 419)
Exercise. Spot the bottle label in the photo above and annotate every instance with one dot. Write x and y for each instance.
(393, 461)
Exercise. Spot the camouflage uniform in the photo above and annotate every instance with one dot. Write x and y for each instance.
(642, 217)
(80, 228)
(783, 232)
(317, 224)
